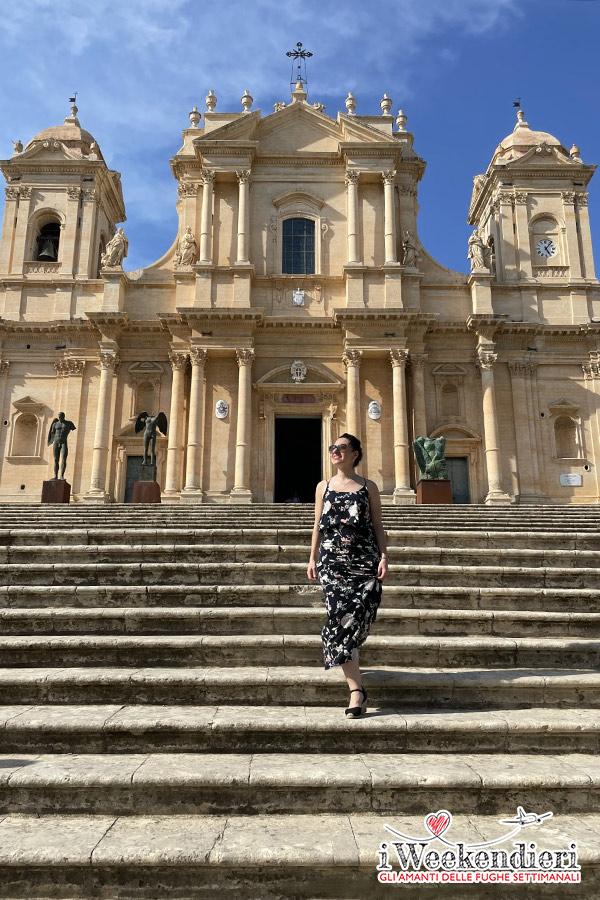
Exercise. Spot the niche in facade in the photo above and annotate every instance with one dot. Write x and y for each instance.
(27, 430)
(566, 431)
(449, 392)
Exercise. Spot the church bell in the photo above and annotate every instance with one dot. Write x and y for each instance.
(48, 251)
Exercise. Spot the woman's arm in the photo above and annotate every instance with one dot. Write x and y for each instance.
(316, 535)
(376, 519)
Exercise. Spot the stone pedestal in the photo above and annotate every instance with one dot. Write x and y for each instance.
(146, 492)
(56, 491)
(434, 490)
(148, 472)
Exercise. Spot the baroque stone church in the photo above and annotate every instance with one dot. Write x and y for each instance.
(295, 303)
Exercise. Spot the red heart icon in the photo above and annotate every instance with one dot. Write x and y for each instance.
(438, 822)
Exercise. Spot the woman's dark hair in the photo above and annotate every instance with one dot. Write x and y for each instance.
(354, 445)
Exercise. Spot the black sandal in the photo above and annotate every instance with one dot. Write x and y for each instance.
(353, 712)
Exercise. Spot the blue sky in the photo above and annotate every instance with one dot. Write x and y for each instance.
(454, 66)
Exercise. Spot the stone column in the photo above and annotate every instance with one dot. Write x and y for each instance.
(585, 234)
(241, 492)
(389, 218)
(178, 362)
(109, 362)
(403, 493)
(208, 178)
(417, 365)
(496, 495)
(507, 249)
(87, 244)
(523, 236)
(195, 443)
(70, 231)
(20, 249)
(243, 224)
(574, 260)
(518, 372)
(352, 177)
(8, 228)
(352, 360)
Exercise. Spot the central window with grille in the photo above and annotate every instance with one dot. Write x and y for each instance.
(298, 247)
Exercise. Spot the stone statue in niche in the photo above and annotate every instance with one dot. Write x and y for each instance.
(430, 454)
(116, 251)
(411, 251)
(476, 251)
(150, 424)
(187, 251)
(57, 436)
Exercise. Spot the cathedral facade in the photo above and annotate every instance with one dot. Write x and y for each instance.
(295, 303)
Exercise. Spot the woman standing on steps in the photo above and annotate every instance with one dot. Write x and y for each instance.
(352, 562)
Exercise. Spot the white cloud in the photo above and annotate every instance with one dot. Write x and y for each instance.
(140, 65)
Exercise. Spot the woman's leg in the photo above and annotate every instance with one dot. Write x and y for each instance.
(352, 672)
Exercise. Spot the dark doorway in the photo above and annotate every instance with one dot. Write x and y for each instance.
(297, 458)
(134, 464)
(458, 473)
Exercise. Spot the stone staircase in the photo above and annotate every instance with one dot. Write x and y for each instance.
(167, 728)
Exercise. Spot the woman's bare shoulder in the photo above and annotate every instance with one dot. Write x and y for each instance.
(371, 486)
(320, 488)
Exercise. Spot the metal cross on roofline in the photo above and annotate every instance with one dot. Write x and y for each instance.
(299, 57)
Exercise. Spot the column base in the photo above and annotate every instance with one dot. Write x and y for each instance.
(171, 497)
(240, 495)
(404, 496)
(192, 495)
(497, 498)
(96, 497)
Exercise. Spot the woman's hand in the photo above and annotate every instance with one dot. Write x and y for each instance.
(383, 568)
(312, 571)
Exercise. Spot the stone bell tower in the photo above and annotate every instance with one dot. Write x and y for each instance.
(530, 208)
(62, 206)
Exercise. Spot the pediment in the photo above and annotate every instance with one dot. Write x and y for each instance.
(449, 369)
(51, 150)
(241, 129)
(564, 407)
(541, 156)
(299, 127)
(282, 376)
(28, 404)
(296, 196)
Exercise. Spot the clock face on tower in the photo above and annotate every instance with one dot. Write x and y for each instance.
(546, 248)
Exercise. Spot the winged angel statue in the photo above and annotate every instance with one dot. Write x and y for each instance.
(150, 424)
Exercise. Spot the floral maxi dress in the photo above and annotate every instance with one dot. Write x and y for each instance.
(347, 569)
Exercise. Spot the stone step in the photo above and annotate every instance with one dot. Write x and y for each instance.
(185, 555)
(487, 651)
(221, 620)
(115, 728)
(259, 783)
(449, 688)
(240, 857)
(565, 541)
(271, 573)
(396, 596)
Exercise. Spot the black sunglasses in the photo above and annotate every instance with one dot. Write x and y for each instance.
(339, 447)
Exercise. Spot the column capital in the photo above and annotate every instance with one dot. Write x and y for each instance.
(178, 360)
(109, 360)
(582, 198)
(188, 189)
(243, 175)
(389, 176)
(352, 176)
(70, 366)
(486, 359)
(245, 356)
(198, 356)
(568, 197)
(520, 367)
(74, 193)
(399, 357)
(352, 358)
(418, 360)
(208, 176)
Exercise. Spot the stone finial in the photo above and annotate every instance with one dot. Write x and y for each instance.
(18, 146)
(72, 119)
(247, 101)
(211, 101)
(574, 152)
(386, 105)
(195, 117)
(299, 94)
(521, 123)
(401, 120)
(350, 103)
(93, 154)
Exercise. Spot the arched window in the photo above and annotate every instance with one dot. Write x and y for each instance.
(25, 435)
(565, 437)
(545, 242)
(47, 243)
(298, 243)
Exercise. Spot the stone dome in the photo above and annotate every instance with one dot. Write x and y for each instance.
(70, 133)
(521, 140)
